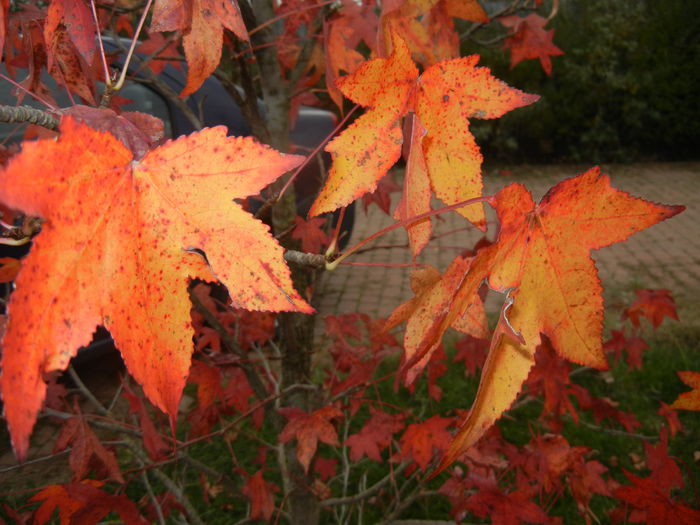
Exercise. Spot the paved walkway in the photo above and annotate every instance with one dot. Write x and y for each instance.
(664, 256)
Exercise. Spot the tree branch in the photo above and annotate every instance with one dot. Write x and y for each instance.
(371, 491)
(29, 114)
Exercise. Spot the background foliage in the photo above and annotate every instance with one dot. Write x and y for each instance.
(630, 70)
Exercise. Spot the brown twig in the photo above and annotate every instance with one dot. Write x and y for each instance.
(39, 117)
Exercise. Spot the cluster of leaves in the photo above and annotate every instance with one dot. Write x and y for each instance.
(128, 223)
(361, 437)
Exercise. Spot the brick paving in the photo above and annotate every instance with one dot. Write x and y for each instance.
(664, 256)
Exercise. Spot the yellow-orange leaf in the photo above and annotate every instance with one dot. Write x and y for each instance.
(542, 259)
(364, 152)
(434, 294)
(448, 94)
(415, 199)
(689, 400)
(118, 247)
(202, 23)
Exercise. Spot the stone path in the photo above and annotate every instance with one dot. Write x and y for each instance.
(664, 256)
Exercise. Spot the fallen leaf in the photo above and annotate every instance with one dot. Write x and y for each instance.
(659, 509)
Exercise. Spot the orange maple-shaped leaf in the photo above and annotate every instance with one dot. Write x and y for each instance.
(428, 27)
(689, 400)
(434, 293)
(202, 23)
(542, 259)
(445, 97)
(118, 247)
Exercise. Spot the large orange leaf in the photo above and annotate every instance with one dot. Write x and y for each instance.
(445, 97)
(541, 259)
(118, 247)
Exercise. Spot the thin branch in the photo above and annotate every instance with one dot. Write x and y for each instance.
(312, 260)
(86, 391)
(130, 54)
(170, 485)
(29, 114)
(35, 460)
(153, 498)
(371, 491)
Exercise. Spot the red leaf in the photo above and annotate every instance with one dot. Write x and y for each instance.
(55, 497)
(9, 268)
(97, 504)
(122, 258)
(671, 416)
(137, 131)
(85, 445)
(422, 441)
(530, 40)
(506, 509)
(311, 234)
(382, 195)
(326, 468)
(157, 42)
(644, 494)
(445, 97)
(77, 19)
(664, 470)
(153, 442)
(202, 23)
(375, 435)
(309, 429)
(434, 297)
(652, 304)
(259, 491)
(472, 351)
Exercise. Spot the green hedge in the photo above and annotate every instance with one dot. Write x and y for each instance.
(627, 89)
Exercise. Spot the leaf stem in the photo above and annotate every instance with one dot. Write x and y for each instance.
(333, 265)
(134, 40)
